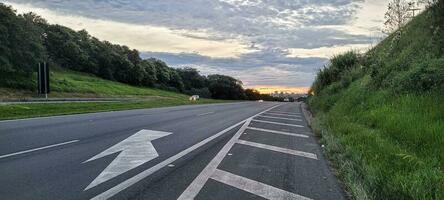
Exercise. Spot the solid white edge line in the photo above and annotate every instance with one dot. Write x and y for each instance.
(127, 183)
(279, 149)
(194, 188)
(299, 120)
(254, 187)
(278, 123)
(36, 149)
(278, 132)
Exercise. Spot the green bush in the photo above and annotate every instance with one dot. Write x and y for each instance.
(335, 70)
(425, 76)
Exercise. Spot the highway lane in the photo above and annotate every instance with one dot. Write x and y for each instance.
(60, 171)
(247, 150)
(265, 158)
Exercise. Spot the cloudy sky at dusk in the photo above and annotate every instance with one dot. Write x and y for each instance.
(268, 44)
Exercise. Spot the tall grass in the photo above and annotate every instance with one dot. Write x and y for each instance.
(381, 114)
(392, 146)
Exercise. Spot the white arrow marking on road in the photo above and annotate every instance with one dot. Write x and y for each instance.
(134, 151)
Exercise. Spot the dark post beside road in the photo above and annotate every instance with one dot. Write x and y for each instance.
(43, 79)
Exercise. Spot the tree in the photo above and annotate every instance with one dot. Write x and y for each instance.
(175, 81)
(397, 15)
(150, 73)
(225, 87)
(28, 39)
(252, 94)
(20, 42)
(191, 78)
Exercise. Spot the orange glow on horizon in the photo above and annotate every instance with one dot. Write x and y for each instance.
(272, 89)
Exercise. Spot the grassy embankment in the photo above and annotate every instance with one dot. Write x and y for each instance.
(66, 84)
(381, 115)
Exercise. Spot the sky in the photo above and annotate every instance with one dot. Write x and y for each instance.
(268, 44)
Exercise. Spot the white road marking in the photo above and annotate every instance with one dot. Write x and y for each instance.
(278, 132)
(207, 113)
(254, 187)
(194, 188)
(134, 151)
(299, 120)
(278, 123)
(289, 113)
(278, 114)
(279, 149)
(39, 148)
(127, 183)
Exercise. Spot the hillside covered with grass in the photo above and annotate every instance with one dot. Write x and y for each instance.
(67, 85)
(381, 114)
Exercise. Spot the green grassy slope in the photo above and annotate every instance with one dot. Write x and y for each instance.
(65, 83)
(380, 115)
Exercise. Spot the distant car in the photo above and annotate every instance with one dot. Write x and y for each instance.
(260, 100)
(286, 100)
(194, 98)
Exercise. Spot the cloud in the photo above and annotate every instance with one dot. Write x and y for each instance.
(279, 43)
(327, 52)
(143, 37)
(267, 67)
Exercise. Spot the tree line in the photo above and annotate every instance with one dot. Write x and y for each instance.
(28, 39)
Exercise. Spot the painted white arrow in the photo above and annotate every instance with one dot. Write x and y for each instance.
(134, 151)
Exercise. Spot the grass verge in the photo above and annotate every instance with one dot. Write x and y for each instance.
(16, 111)
(384, 145)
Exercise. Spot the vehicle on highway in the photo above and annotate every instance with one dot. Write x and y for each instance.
(194, 98)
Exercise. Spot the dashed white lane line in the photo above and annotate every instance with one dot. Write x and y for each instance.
(278, 132)
(278, 123)
(299, 120)
(279, 149)
(207, 113)
(37, 149)
(288, 113)
(127, 183)
(278, 114)
(254, 187)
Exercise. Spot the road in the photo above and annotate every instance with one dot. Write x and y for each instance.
(247, 150)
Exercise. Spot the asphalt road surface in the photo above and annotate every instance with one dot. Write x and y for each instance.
(248, 150)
